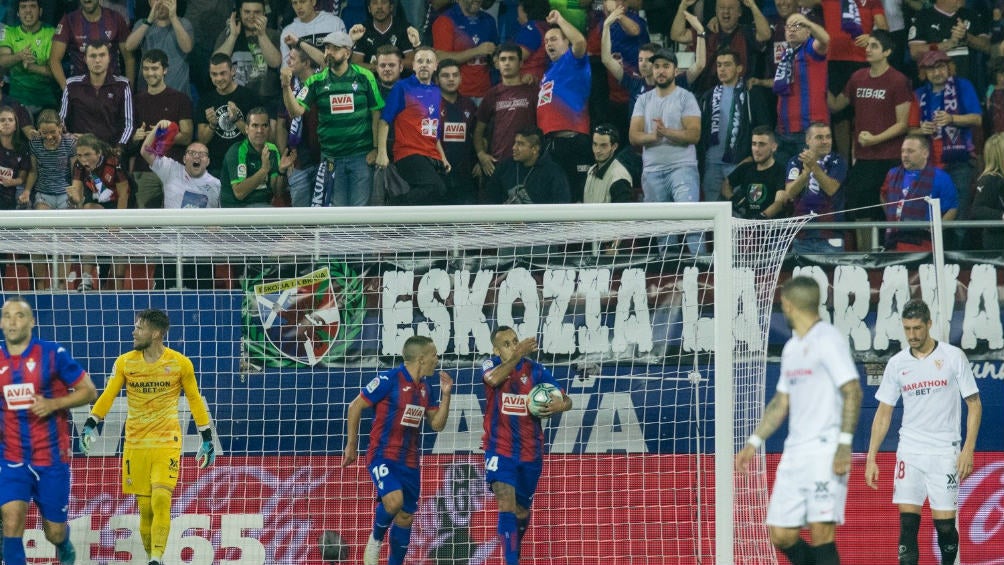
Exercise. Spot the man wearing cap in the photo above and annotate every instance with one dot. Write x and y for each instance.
(949, 109)
(348, 104)
(666, 123)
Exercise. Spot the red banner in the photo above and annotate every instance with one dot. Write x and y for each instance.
(602, 510)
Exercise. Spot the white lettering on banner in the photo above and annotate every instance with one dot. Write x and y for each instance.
(564, 295)
(982, 497)
(19, 396)
(513, 404)
(987, 370)
(412, 416)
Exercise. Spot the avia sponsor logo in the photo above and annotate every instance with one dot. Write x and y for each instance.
(342, 103)
(910, 387)
(412, 416)
(19, 396)
(513, 404)
(454, 132)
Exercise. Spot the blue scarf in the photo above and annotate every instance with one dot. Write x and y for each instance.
(956, 142)
(731, 136)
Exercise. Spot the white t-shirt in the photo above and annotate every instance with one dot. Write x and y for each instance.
(183, 191)
(671, 110)
(313, 32)
(813, 368)
(931, 388)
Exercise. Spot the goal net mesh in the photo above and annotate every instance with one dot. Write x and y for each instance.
(286, 323)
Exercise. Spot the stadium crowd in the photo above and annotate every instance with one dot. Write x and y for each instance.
(850, 109)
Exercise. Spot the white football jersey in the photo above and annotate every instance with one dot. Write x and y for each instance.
(931, 388)
(813, 368)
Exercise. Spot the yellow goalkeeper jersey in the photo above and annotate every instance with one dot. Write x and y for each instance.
(152, 390)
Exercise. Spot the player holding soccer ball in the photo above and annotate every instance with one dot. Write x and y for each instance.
(402, 400)
(153, 376)
(819, 386)
(514, 439)
(930, 376)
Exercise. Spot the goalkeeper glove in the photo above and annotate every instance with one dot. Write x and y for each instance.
(89, 435)
(207, 453)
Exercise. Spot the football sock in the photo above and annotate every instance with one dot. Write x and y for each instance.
(521, 526)
(799, 554)
(826, 554)
(160, 526)
(13, 551)
(145, 519)
(509, 535)
(909, 552)
(948, 540)
(381, 521)
(399, 540)
(65, 544)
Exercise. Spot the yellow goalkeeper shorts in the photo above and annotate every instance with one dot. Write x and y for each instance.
(142, 469)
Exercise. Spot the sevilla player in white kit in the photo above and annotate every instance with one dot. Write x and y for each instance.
(930, 376)
(819, 387)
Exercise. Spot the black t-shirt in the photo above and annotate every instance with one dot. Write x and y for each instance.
(225, 131)
(372, 40)
(753, 191)
(934, 26)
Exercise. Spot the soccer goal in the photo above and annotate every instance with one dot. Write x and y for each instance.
(653, 317)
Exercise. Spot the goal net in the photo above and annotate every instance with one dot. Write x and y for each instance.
(654, 318)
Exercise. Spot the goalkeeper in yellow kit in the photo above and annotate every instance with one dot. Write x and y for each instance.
(154, 377)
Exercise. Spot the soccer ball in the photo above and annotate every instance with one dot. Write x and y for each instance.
(541, 396)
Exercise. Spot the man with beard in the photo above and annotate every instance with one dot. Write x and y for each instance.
(607, 180)
(381, 30)
(153, 376)
(757, 188)
(530, 177)
(814, 182)
(158, 102)
(904, 192)
(666, 123)
(253, 48)
(348, 105)
(413, 110)
(222, 114)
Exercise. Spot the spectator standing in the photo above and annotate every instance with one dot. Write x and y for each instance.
(311, 26)
(988, 203)
(389, 65)
(468, 35)
(800, 83)
(209, 19)
(756, 187)
(509, 106)
(459, 117)
(949, 110)
(253, 49)
(532, 15)
(607, 180)
(904, 191)
(158, 102)
(98, 102)
(381, 29)
(89, 25)
(253, 172)
(348, 103)
(950, 26)
(563, 102)
(530, 177)
(52, 153)
(299, 134)
(24, 52)
(881, 97)
(222, 113)
(414, 108)
(746, 41)
(171, 34)
(814, 184)
(667, 124)
(727, 120)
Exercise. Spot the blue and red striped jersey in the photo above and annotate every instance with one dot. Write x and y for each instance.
(400, 404)
(563, 102)
(510, 430)
(453, 31)
(412, 109)
(46, 369)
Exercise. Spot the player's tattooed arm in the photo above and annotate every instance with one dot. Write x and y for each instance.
(851, 392)
(975, 414)
(773, 416)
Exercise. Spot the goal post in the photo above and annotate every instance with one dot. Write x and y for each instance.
(287, 313)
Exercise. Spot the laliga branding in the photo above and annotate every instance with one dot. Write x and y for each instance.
(454, 305)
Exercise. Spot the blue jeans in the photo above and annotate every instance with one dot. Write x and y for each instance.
(679, 184)
(346, 181)
(301, 185)
(714, 174)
